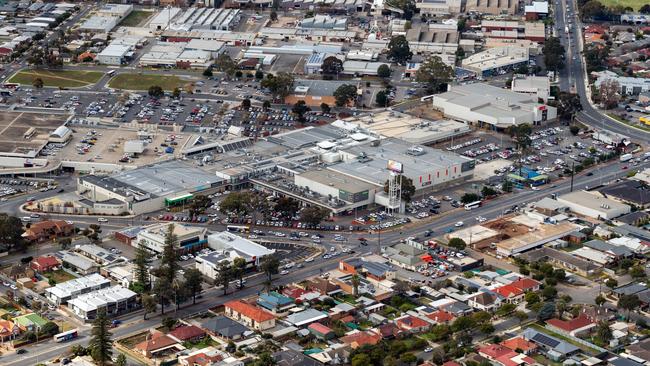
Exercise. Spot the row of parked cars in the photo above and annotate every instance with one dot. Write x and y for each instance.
(182, 218)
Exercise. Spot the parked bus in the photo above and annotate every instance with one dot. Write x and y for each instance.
(66, 336)
(238, 228)
(110, 73)
(472, 205)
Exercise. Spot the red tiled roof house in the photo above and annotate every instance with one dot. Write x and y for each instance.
(250, 315)
(574, 327)
(48, 230)
(412, 324)
(186, 333)
(320, 331)
(358, 339)
(521, 344)
(511, 293)
(45, 263)
(158, 345)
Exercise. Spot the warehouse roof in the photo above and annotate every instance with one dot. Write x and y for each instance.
(337, 180)
(593, 201)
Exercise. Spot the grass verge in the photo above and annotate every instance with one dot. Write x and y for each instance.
(144, 81)
(57, 78)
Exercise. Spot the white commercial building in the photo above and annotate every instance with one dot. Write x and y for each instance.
(113, 54)
(539, 86)
(626, 85)
(163, 19)
(496, 60)
(188, 238)
(115, 10)
(437, 8)
(66, 291)
(99, 24)
(251, 251)
(113, 300)
(594, 205)
(483, 104)
(208, 265)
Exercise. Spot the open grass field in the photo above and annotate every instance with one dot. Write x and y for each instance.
(634, 4)
(144, 81)
(57, 78)
(60, 276)
(136, 18)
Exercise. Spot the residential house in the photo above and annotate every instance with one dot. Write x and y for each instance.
(8, 330)
(290, 357)
(552, 347)
(320, 331)
(412, 324)
(48, 230)
(305, 317)
(251, 315)
(275, 302)
(357, 339)
(209, 356)
(441, 317)
(485, 300)
(504, 356)
(187, 333)
(225, 328)
(30, 322)
(519, 343)
(45, 263)
(511, 293)
(158, 344)
(389, 330)
(526, 284)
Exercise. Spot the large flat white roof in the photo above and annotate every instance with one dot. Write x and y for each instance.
(226, 240)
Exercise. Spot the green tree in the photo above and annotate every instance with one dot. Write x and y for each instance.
(604, 333)
(600, 300)
(356, 281)
(399, 50)
(246, 104)
(225, 64)
(49, 329)
(169, 261)
(435, 74)
(383, 71)
(270, 266)
(163, 291)
(469, 198)
(549, 292)
(148, 304)
(176, 93)
(462, 323)
(299, 109)
(361, 359)
(169, 323)
(457, 243)
(274, 16)
(199, 204)
(121, 360)
(521, 133)
(408, 358)
(506, 186)
(611, 283)
(224, 275)
(592, 9)
(547, 311)
(637, 272)
(38, 83)
(259, 74)
(101, 346)
(532, 298)
(142, 261)
(279, 85)
(408, 189)
(568, 105)
(266, 105)
(325, 108)
(344, 94)
(193, 282)
(156, 91)
(487, 191)
(264, 359)
(208, 72)
(332, 65)
(313, 215)
(381, 99)
(239, 268)
(236, 202)
(629, 303)
(574, 130)
(553, 52)
(11, 231)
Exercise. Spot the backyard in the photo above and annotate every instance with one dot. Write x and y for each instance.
(59, 276)
(57, 78)
(144, 81)
(634, 4)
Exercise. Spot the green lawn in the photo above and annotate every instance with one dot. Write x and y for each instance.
(57, 78)
(144, 81)
(136, 18)
(634, 4)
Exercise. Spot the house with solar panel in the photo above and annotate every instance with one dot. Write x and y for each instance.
(553, 348)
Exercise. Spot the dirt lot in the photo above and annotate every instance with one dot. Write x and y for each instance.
(109, 147)
(14, 125)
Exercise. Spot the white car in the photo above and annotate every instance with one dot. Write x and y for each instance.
(280, 235)
(13, 287)
(284, 272)
(6, 284)
(459, 224)
(308, 260)
(101, 219)
(428, 349)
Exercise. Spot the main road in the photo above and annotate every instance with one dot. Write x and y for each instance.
(575, 74)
